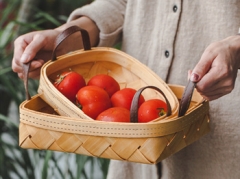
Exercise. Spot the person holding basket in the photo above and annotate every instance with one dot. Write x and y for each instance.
(178, 40)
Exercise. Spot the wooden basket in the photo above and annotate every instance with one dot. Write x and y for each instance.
(49, 121)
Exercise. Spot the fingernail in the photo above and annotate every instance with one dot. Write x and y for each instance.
(24, 58)
(194, 77)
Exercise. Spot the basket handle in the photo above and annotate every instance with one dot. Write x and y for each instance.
(183, 105)
(60, 38)
(26, 67)
(134, 105)
(186, 98)
(67, 32)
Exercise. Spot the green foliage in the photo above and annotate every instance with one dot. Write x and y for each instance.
(15, 162)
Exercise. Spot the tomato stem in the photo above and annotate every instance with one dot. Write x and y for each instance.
(60, 78)
(161, 111)
(78, 105)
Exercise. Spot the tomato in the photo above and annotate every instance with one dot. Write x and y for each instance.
(68, 83)
(151, 109)
(106, 82)
(123, 98)
(115, 114)
(93, 100)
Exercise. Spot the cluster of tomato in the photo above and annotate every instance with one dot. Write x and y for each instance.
(102, 99)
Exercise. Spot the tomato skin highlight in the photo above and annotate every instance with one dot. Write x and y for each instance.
(93, 100)
(114, 114)
(106, 82)
(124, 97)
(151, 109)
(68, 83)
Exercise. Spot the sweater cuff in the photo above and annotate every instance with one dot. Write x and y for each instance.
(108, 17)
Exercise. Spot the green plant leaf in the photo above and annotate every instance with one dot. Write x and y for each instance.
(81, 161)
(7, 120)
(48, 17)
(8, 83)
(45, 165)
(6, 34)
(7, 11)
(5, 70)
(104, 164)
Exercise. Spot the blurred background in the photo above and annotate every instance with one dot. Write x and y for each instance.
(18, 17)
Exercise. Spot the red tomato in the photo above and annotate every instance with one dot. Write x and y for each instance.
(68, 83)
(106, 82)
(115, 114)
(93, 100)
(123, 98)
(151, 109)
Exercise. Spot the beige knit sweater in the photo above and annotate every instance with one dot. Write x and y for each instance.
(169, 36)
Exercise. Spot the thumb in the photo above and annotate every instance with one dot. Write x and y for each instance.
(34, 43)
(202, 67)
(25, 58)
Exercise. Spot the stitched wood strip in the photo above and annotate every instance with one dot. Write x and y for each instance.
(77, 126)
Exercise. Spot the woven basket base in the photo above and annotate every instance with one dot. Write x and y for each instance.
(143, 150)
(148, 150)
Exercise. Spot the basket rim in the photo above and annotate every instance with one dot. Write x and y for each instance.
(111, 129)
(46, 83)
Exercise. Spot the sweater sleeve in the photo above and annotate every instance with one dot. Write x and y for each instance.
(109, 17)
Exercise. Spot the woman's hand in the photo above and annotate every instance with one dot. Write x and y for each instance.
(39, 45)
(35, 45)
(217, 69)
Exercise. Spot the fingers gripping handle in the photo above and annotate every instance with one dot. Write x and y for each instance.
(60, 38)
